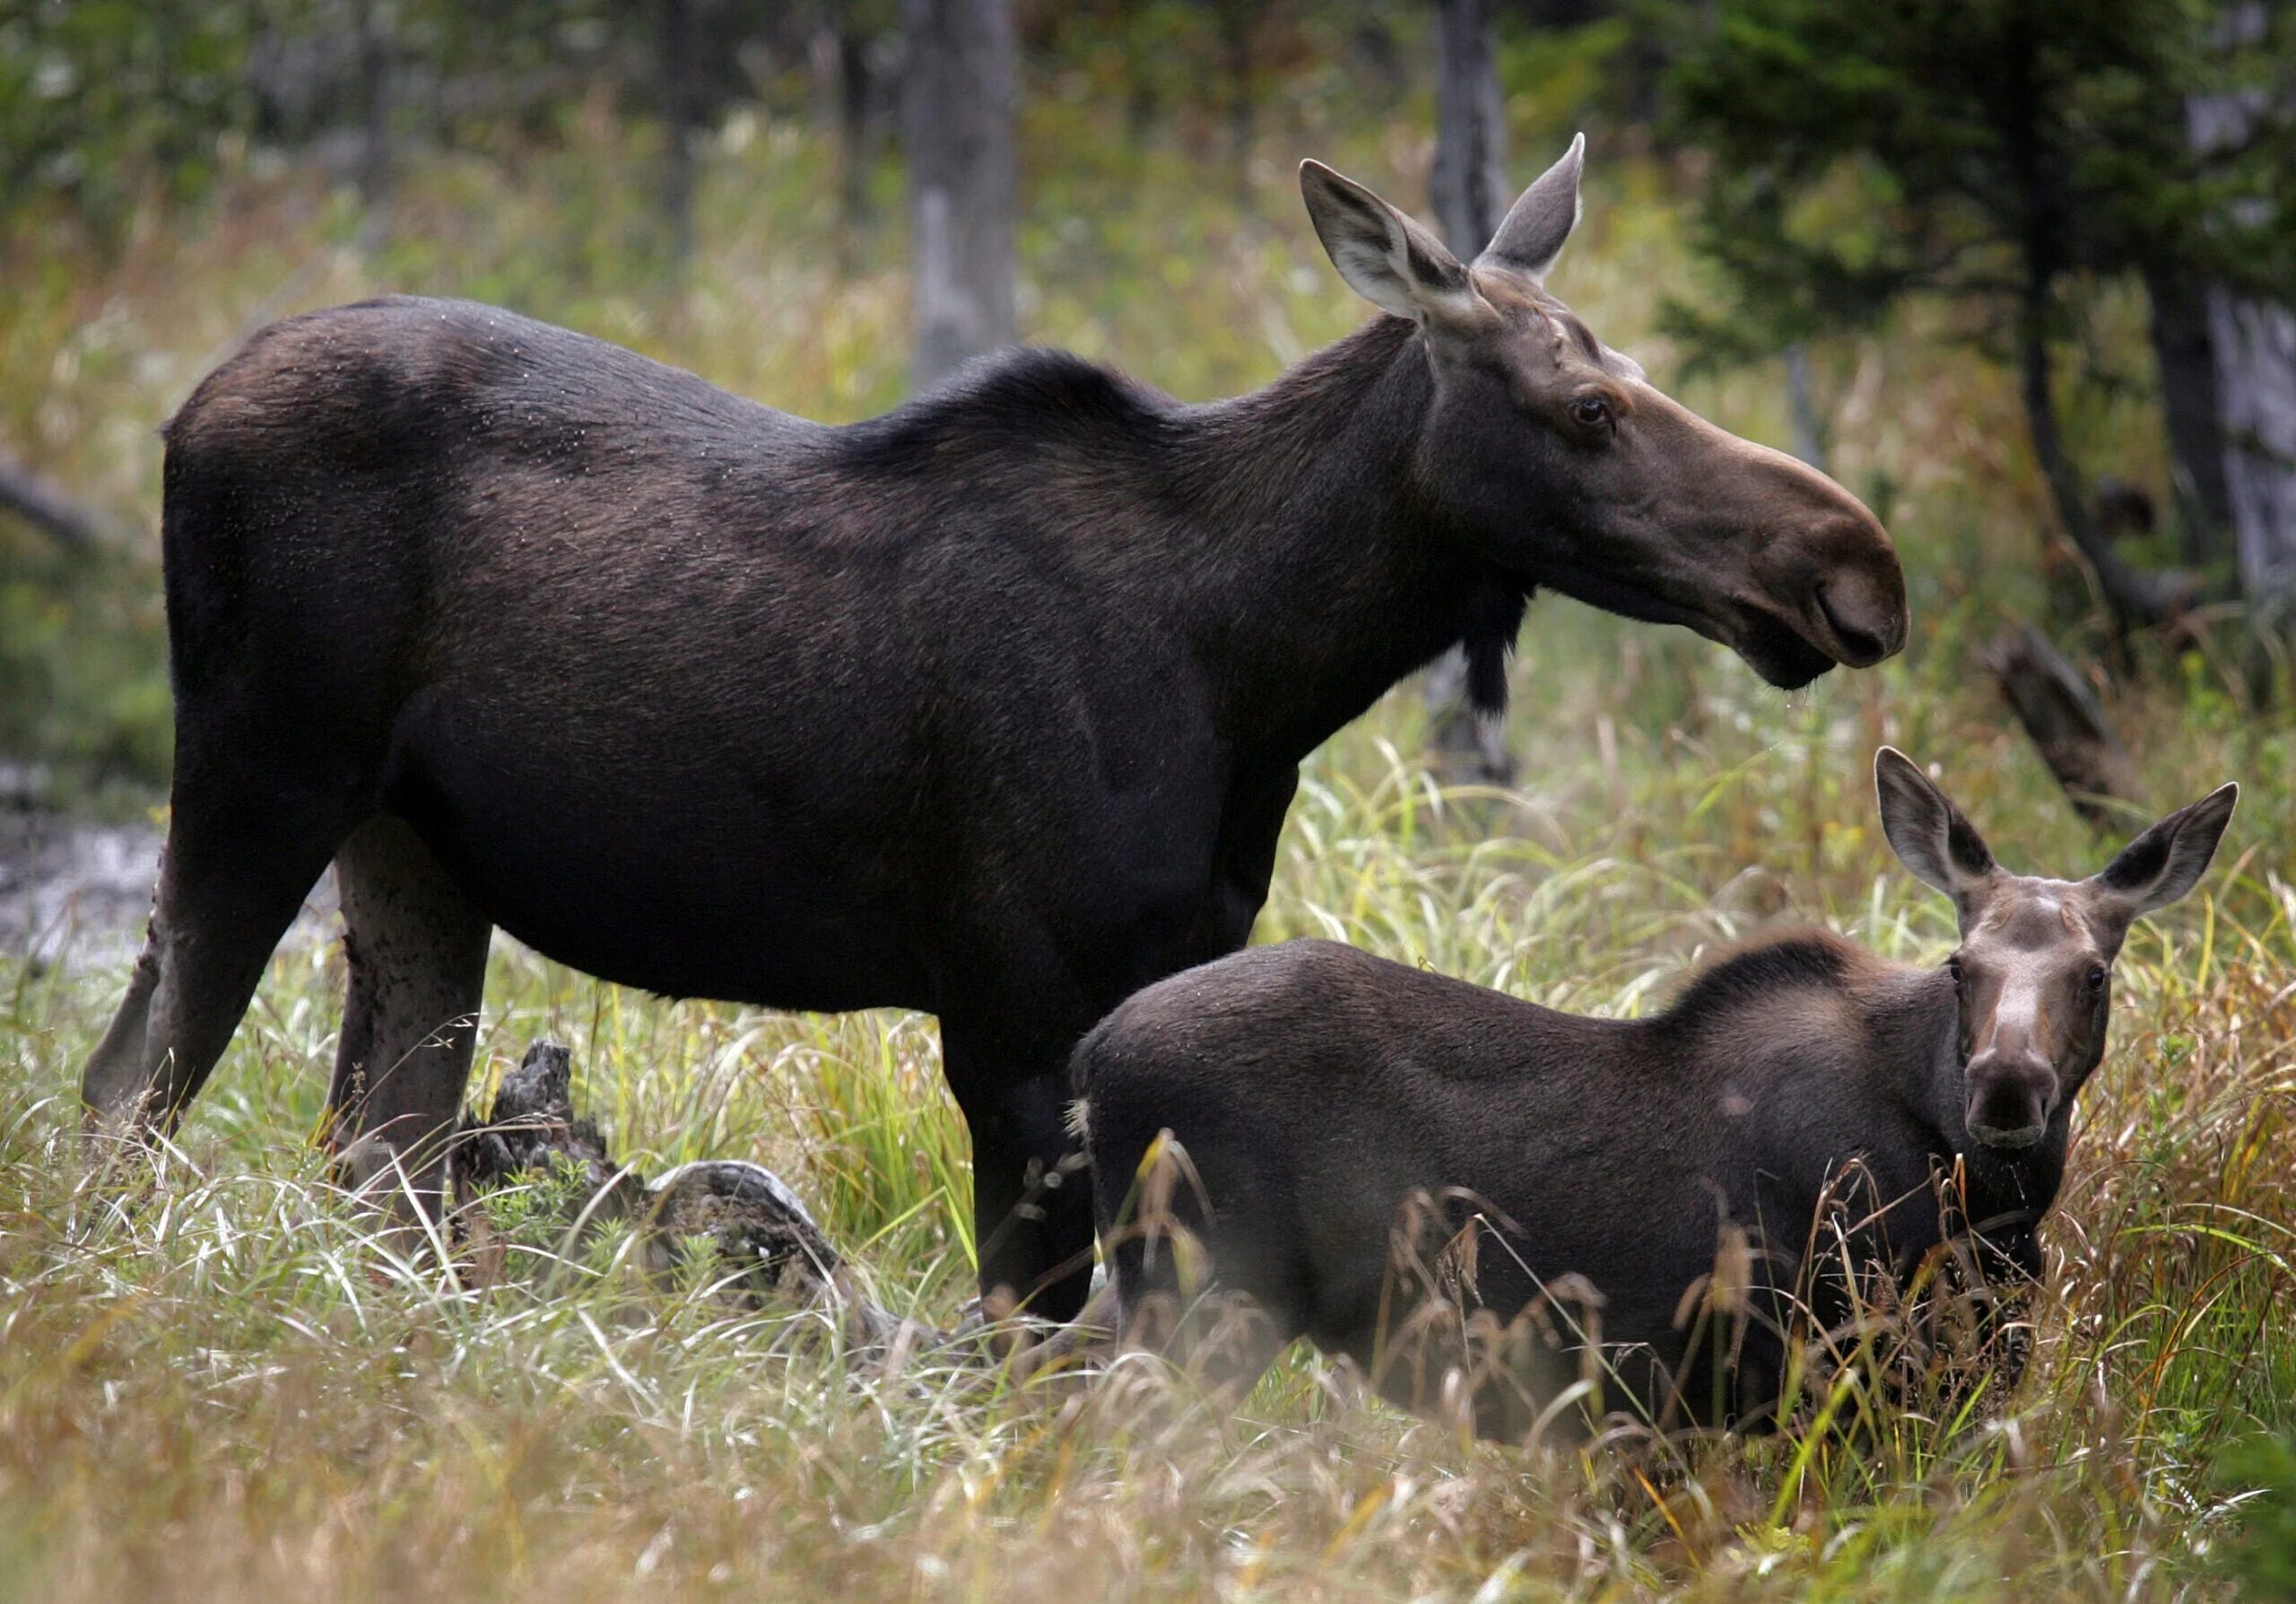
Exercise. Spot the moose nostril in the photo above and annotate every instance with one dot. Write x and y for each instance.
(1861, 645)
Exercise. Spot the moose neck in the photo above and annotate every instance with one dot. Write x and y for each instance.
(1325, 576)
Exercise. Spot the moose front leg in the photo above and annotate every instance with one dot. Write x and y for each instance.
(1032, 1200)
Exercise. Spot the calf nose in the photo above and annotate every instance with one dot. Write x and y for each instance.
(2010, 1100)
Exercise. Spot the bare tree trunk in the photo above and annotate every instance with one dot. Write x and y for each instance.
(375, 149)
(1468, 191)
(1468, 188)
(677, 64)
(2128, 605)
(1802, 407)
(841, 73)
(1237, 18)
(959, 94)
(2256, 380)
(2131, 602)
(2253, 341)
(2186, 360)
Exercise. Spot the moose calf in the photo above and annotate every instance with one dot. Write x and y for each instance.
(1664, 1201)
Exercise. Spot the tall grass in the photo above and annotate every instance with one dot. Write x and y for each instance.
(218, 1383)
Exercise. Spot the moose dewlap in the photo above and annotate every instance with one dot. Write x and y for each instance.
(1651, 1208)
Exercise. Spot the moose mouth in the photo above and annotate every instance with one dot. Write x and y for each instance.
(1994, 1136)
(1780, 654)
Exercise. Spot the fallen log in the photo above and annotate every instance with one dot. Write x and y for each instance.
(2060, 711)
(768, 1250)
(766, 1242)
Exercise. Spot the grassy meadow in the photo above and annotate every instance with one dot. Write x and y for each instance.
(219, 1385)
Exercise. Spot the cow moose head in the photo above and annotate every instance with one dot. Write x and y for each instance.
(1555, 457)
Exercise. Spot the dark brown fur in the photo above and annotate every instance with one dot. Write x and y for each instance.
(991, 706)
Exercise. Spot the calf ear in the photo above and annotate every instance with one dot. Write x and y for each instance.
(1927, 832)
(1384, 256)
(1537, 225)
(2167, 860)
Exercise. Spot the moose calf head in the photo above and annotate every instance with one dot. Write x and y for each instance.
(2034, 968)
(1559, 461)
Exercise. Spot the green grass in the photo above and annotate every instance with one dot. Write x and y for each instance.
(219, 1385)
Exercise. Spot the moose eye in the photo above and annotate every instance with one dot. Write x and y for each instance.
(1590, 413)
(1953, 968)
(2094, 981)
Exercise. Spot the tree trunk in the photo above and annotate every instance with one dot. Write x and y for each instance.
(1468, 188)
(839, 56)
(2186, 360)
(1468, 191)
(853, 116)
(2040, 246)
(2256, 380)
(959, 93)
(677, 65)
(375, 147)
(2131, 603)
(2253, 340)
(1802, 406)
(1237, 19)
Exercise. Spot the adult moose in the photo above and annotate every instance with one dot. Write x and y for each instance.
(991, 707)
(1672, 1163)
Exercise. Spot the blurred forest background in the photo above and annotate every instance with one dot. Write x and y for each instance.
(2018, 273)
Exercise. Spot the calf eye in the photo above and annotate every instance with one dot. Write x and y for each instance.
(1953, 968)
(2094, 981)
(1590, 411)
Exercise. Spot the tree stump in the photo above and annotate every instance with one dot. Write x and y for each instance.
(768, 1250)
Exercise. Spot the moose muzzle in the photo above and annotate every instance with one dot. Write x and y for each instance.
(2011, 1097)
(1866, 624)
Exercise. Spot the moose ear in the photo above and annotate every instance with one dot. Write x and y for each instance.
(1384, 256)
(2167, 860)
(1927, 832)
(1537, 225)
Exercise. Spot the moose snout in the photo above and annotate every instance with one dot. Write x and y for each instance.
(1856, 595)
(2010, 1100)
(1836, 577)
(1867, 627)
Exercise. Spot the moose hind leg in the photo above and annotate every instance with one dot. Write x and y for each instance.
(233, 879)
(416, 950)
